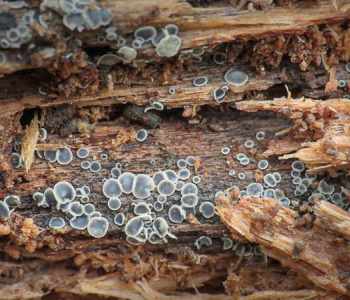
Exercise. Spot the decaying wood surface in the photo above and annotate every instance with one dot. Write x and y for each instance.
(297, 46)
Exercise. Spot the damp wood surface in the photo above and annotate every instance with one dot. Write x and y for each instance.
(292, 95)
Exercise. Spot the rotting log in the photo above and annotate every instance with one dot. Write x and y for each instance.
(300, 45)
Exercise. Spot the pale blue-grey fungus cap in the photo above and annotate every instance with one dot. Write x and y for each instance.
(203, 241)
(225, 150)
(158, 206)
(138, 43)
(89, 208)
(249, 144)
(269, 193)
(4, 211)
(57, 223)
(50, 198)
(270, 180)
(207, 209)
(189, 188)
(142, 208)
(244, 161)
(200, 81)
(75, 208)
(171, 175)
(50, 155)
(277, 176)
(168, 46)
(143, 185)
(134, 226)
(158, 177)
(166, 187)
(64, 156)
(255, 189)
(42, 134)
(95, 166)
(114, 203)
(83, 152)
(161, 227)
(85, 165)
(263, 164)
(260, 135)
(64, 191)
(219, 95)
(111, 188)
(298, 166)
(227, 243)
(189, 200)
(242, 175)
(172, 29)
(127, 54)
(79, 222)
(235, 77)
(147, 33)
(179, 185)
(119, 219)
(16, 160)
(181, 163)
(98, 227)
(12, 201)
(108, 59)
(141, 135)
(184, 174)
(3, 58)
(196, 179)
(190, 160)
(176, 214)
(126, 181)
(116, 172)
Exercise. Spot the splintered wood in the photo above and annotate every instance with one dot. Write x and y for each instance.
(318, 253)
(320, 135)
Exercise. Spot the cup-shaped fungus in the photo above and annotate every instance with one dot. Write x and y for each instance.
(16, 160)
(50, 155)
(116, 172)
(89, 208)
(114, 203)
(189, 200)
(4, 211)
(142, 208)
(184, 174)
(263, 164)
(158, 206)
(189, 188)
(260, 135)
(64, 191)
(83, 152)
(277, 176)
(172, 29)
(50, 198)
(200, 81)
(142, 187)
(147, 33)
(111, 188)
(166, 187)
(98, 227)
(203, 241)
(141, 135)
(171, 175)
(176, 214)
(64, 156)
(207, 209)
(249, 144)
(79, 222)
(95, 166)
(134, 226)
(57, 223)
(270, 180)
(168, 46)
(158, 177)
(181, 163)
(127, 54)
(108, 59)
(119, 219)
(269, 193)
(161, 227)
(255, 189)
(219, 95)
(179, 185)
(85, 165)
(285, 201)
(75, 208)
(298, 165)
(235, 77)
(126, 181)
(12, 201)
(227, 243)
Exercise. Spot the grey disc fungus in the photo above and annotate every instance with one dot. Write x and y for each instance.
(162, 198)
(225, 150)
(232, 173)
(189, 188)
(168, 46)
(79, 222)
(111, 188)
(64, 156)
(95, 166)
(207, 209)
(98, 227)
(171, 90)
(134, 226)
(249, 144)
(285, 202)
(12, 201)
(242, 175)
(85, 165)
(158, 206)
(240, 156)
(158, 177)
(347, 67)
(279, 194)
(190, 160)
(138, 43)
(295, 173)
(171, 175)
(181, 163)
(89, 208)
(196, 179)
(116, 172)
(114, 203)
(143, 185)
(64, 191)
(189, 200)
(141, 135)
(127, 54)
(260, 135)
(126, 181)
(342, 83)
(200, 81)
(179, 185)
(108, 60)
(57, 223)
(184, 174)
(119, 219)
(50, 198)
(235, 77)
(325, 188)
(269, 193)
(270, 180)
(172, 29)
(227, 243)
(147, 33)
(203, 241)
(95, 214)
(75, 208)
(296, 180)
(176, 214)
(277, 176)
(38, 196)
(142, 208)
(298, 166)
(83, 153)
(154, 238)
(161, 227)
(244, 161)
(263, 164)
(219, 58)
(16, 160)
(42, 134)
(219, 95)
(166, 187)
(4, 211)
(50, 155)
(255, 189)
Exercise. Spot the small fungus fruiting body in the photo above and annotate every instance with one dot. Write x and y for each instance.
(166, 187)
(235, 77)
(184, 173)
(142, 208)
(172, 90)
(158, 206)
(189, 200)
(111, 188)
(64, 192)
(168, 46)
(114, 203)
(162, 198)
(115, 172)
(260, 135)
(42, 134)
(158, 177)
(270, 180)
(181, 163)
(75, 208)
(242, 175)
(161, 227)
(172, 29)
(207, 209)
(64, 156)
(200, 81)
(16, 160)
(219, 95)
(298, 166)
(227, 243)
(98, 227)
(83, 153)
(85, 165)
(134, 226)
(95, 166)
(171, 175)
(126, 181)
(176, 214)
(57, 223)
(190, 160)
(249, 144)
(225, 150)
(325, 188)
(232, 173)
(347, 67)
(89, 208)
(196, 179)
(79, 222)
(263, 164)
(244, 161)
(127, 54)
(141, 135)
(50, 155)
(119, 219)
(255, 189)
(142, 187)
(342, 83)
(4, 211)
(189, 188)
(203, 241)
